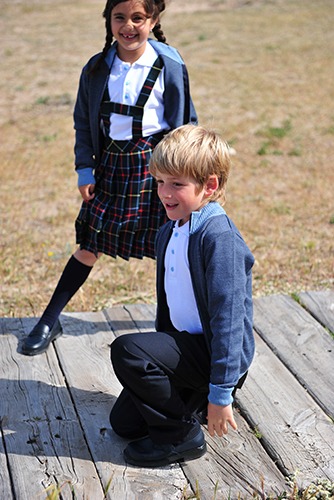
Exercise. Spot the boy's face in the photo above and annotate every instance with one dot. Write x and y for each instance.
(181, 196)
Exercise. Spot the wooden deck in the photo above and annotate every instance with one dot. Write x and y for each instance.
(54, 410)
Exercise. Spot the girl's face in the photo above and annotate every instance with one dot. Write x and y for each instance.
(130, 27)
(183, 195)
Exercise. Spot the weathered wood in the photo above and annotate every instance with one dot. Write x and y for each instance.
(321, 306)
(295, 431)
(5, 482)
(44, 443)
(131, 318)
(303, 345)
(235, 466)
(85, 359)
(54, 410)
(143, 315)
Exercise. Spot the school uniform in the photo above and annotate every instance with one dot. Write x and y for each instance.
(117, 127)
(170, 375)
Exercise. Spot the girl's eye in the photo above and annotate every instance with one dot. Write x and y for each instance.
(139, 19)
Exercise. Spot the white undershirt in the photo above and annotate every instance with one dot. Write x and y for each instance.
(179, 290)
(125, 83)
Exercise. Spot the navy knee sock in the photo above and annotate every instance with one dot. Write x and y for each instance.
(73, 277)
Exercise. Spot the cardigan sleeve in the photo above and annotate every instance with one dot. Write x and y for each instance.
(221, 265)
(83, 149)
(88, 134)
(179, 107)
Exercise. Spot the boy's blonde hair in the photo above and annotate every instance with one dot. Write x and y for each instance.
(196, 152)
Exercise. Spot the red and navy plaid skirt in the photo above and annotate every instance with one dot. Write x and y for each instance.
(126, 213)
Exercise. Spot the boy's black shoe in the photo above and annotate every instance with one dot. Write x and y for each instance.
(40, 338)
(145, 453)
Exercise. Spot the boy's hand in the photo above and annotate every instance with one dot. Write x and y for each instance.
(218, 418)
(87, 191)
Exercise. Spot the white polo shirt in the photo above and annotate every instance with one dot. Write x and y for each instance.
(125, 83)
(179, 290)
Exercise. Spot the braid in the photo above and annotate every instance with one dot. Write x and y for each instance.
(159, 34)
(158, 8)
(109, 36)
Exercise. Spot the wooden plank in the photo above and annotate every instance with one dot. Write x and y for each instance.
(321, 306)
(130, 318)
(296, 434)
(143, 316)
(43, 440)
(85, 359)
(303, 345)
(5, 482)
(295, 431)
(235, 466)
(237, 463)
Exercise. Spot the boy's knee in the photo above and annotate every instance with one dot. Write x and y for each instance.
(119, 350)
(116, 349)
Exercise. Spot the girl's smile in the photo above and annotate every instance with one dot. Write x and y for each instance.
(130, 27)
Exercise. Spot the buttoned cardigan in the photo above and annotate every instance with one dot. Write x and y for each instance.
(179, 108)
(221, 273)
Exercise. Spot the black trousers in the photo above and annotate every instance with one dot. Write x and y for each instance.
(166, 382)
(165, 378)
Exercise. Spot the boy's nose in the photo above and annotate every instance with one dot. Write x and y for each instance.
(166, 193)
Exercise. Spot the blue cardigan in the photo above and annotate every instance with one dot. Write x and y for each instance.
(179, 108)
(221, 273)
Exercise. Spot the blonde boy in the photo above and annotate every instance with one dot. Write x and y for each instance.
(203, 344)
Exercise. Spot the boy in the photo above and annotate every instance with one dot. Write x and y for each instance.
(204, 343)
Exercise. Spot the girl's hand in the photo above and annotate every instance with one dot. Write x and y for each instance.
(218, 418)
(87, 191)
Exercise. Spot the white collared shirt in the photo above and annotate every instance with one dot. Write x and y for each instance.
(125, 83)
(178, 286)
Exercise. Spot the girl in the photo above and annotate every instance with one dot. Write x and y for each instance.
(130, 95)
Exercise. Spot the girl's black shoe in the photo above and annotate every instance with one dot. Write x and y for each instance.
(40, 338)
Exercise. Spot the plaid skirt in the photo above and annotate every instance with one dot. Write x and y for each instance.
(126, 213)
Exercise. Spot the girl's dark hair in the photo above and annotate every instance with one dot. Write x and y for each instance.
(153, 9)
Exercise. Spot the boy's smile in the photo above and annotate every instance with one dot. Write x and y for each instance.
(181, 196)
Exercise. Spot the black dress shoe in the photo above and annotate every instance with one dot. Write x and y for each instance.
(40, 338)
(146, 453)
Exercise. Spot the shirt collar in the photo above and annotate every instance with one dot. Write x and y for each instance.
(182, 229)
(146, 60)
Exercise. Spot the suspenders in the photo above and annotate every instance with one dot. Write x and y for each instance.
(137, 110)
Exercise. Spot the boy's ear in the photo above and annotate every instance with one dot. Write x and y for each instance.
(211, 185)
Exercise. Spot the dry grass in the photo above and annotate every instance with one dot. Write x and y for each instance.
(261, 74)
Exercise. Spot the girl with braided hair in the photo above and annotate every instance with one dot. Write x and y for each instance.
(130, 95)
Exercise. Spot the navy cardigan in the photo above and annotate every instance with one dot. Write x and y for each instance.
(179, 108)
(221, 272)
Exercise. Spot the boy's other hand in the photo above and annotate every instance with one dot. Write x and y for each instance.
(218, 419)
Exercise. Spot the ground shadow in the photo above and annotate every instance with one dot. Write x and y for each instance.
(42, 420)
